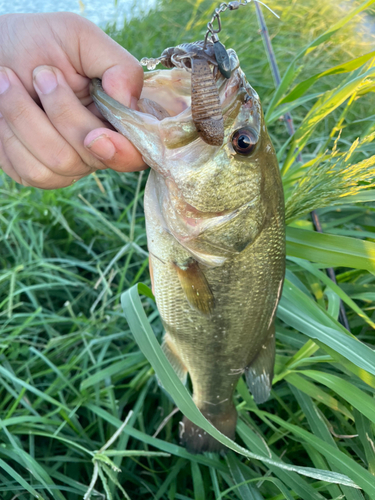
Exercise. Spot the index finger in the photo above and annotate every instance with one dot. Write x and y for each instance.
(101, 57)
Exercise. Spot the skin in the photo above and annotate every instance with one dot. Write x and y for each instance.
(216, 236)
(50, 132)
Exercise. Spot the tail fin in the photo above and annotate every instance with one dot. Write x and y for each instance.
(196, 440)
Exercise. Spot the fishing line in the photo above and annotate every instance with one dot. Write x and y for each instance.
(222, 8)
(212, 34)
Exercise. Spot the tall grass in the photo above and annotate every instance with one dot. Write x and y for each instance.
(71, 371)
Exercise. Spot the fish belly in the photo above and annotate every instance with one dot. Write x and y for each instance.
(217, 348)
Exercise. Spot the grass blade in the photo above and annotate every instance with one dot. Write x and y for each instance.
(20, 480)
(358, 474)
(330, 250)
(148, 344)
(292, 310)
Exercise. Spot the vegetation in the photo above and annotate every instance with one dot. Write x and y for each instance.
(72, 372)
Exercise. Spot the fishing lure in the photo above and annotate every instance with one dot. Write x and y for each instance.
(196, 58)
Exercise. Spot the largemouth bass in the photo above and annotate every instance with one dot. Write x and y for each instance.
(216, 237)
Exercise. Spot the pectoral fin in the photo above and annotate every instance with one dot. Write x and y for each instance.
(174, 359)
(259, 373)
(195, 286)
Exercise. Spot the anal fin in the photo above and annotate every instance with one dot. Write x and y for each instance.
(259, 373)
(174, 359)
(195, 286)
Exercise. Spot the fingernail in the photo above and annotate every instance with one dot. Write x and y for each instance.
(102, 147)
(4, 81)
(45, 81)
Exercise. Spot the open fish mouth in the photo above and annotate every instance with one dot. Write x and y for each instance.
(168, 93)
(166, 108)
(178, 106)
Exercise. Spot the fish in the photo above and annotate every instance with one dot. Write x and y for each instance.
(216, 238)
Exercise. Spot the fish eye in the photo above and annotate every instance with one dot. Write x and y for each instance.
(244, 141)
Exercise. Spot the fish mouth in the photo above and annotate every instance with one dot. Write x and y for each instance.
(163, 120)
(170, 89)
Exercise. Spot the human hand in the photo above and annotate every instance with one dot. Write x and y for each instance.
(51, 133)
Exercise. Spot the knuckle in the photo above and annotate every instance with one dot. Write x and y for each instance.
(65, 161)
(73, 18)
(19, 112)
(37, 175)
(8, 139)
(62, 114)
(41, 177)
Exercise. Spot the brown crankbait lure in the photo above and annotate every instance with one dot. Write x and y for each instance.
(198, 58)
(205, 104)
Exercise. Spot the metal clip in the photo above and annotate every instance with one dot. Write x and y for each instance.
(234, 5)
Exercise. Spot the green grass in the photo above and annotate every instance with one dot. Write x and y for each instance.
(71, 370)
